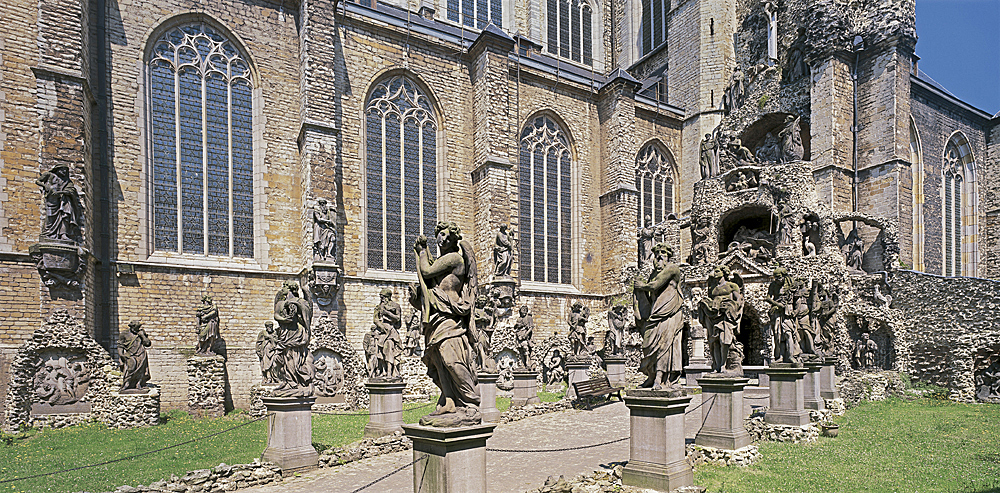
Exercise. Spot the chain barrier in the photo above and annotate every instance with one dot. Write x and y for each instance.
(699, 405)
(369, 485)
(333, 413)
(567, 449)
(122, 459)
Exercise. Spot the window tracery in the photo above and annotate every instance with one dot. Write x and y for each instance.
(545, 192)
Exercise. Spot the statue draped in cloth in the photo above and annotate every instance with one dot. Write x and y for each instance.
(208, 326)
(293, 314)
(660, 321)
(503, 253)
(132, 346)
(445, 295)
(721, 313)
(267, 352)
(62, 205)
(388, 319)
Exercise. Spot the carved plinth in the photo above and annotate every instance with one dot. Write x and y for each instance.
(578, 372)
(787, 402)
(656, 448)
(695, 372)
(453, 459)
(488, 397)
(828, 379)
(616, 370)
(722, 413)
(324, 283)
(289, 433)
(525, 388)
(811, 399)
(385, 408)
(60, 264)
(206, 385)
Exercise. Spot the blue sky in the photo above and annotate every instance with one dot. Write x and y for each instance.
(959, 47)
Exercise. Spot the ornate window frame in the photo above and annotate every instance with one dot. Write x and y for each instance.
(654, 152)
(558, 34)
(960, 227)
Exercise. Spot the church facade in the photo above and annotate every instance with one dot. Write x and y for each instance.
(201, 137)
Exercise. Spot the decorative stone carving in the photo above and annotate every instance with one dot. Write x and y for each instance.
(827, 314)
(329, 377)
(787, 221)
(412, 345)
(771, 10)
(770, 150)
(503, 253)
(809, 226)
(485, 323)
(646, 241)
(740, 180)
(702, 252)
(756, 244)
(445, 297)
(740, 155)
(208, 326)
(865, 352)
(293, 313)
(61, 266)
(524, 329)
(721, 312)
(614, 340)
(324, 282)
(660, 320)
(337, 365)
(63, 215)
(554, 367)
(709, 157)
(324, 231)
(385, 345)
(791, 139)
(267, 353)
(132, 345)
(853, 249)
(62, 378)
(578, 319)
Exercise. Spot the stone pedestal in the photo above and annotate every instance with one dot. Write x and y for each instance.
(385, 408)
(289, 434)
(132, 410)
(206, 385)
(811, 399)
(828, 380)
(656, 448)
(722, 413)
(578, 371)
(454, 459)
(787, 403)
(615, 366)
(525, 388)
(695, 372)
(488, 397)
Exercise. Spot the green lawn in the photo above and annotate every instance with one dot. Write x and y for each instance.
(921, 446)
(503, 403)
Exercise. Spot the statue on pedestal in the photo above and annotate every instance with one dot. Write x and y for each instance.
(503, 253)
(208, 326)
(62, 206)
(485, 319)
(324, 231)
(524, 329)
(854, 251)
(389, 346)
(132, 346)
(660, 321)
(709, 159)
(578, 331)
(293, 313)
(865, 351)
(784, 328)
(445, 296)
(267, 352)
(721, 313)
(614, 341)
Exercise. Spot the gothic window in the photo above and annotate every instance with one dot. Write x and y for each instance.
(200, 125)
(917, 164)
(476, 13)
(654, 24)
(544, 193)
(401, 173)
(654, 179)
(958, 208)
(570, 30)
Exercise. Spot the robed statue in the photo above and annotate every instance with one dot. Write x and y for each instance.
(293, 313)
(445, 295)
(267, 352)
(62, 205)
(132, 346)
(324, 232)
(660, 321)
(721, 313)
(208, 326)
(388, 344)
(503, 253)
(524, 331)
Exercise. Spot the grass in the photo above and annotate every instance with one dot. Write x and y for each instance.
(922, 445)
(503, 403)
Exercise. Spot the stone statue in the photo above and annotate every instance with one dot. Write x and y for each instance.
(293, 313)
(784, 330)
(771, 9)
(660, 321)
(389, 347)
(372, 353)
(553, 365)
(791, 140)
(854, 251)
(786, 223)
(412, 345)
(62, 379)
(132, 346)
(721, 313)
(614, 341)
(708, 159)
(737, 88)
(702, 251)
(62, 206)
(445, 297)
(646, 241)
(796, 64)
(810, 229)
(828, 317)
(329, 376)
(578, 331)
(503, 253)
(485, 320)
(524, 330)
(324, 231)
(741, 154)
(208, 326)
(806, 303)
(267, 352)
(988, 383)
(770, 150)
(865, 351)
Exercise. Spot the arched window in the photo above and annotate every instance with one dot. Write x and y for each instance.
(917, 165)
(476, 13)
(654, 24)
(201, 140)
(959, 206)
(654, 179)
(401, 172)
(570, 30)
(544, 195)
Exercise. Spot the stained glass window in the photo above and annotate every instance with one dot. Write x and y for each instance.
(400, 173)
(200, 126)
(958, 210)
(570, 30)
(544, 192)
(654, 24)
(654, 179)
(476, 13)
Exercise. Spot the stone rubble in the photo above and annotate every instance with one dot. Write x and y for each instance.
(601, 481)
(364, 449)
(859, 386)
(206, 385)
(216, 479)
(761, 431)
(521, 412)
(698, 454)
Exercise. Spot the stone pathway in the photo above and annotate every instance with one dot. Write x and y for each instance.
(507, 472)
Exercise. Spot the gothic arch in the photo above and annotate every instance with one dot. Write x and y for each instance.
(656, 180)
(960, 207)
(917, 172)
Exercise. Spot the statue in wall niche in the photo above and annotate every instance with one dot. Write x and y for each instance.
(208, 326)
(385, 329)
(63, 220)
(702, 251)
(742, 180)
(854, 251)
(62, 379)
(659, 318)
(503, 253)
(988, 383)
(445, 296)
(787, 220)
(741, 154)
(524, 330)
(267, 353)
(614, 341)
(553, 365)
(578, 330)
(708, 158)
(770, 150)
(646, 241)
(809, 226)
(324, 231)
(791, 139)
(132, 346)
(293, 313)
(485, 322)
(721, 312)
(412, 345)
(784, 328)
(865, 351)
(757, 244)
(796, 64)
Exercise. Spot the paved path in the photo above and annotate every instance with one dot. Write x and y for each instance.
(506, 472)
